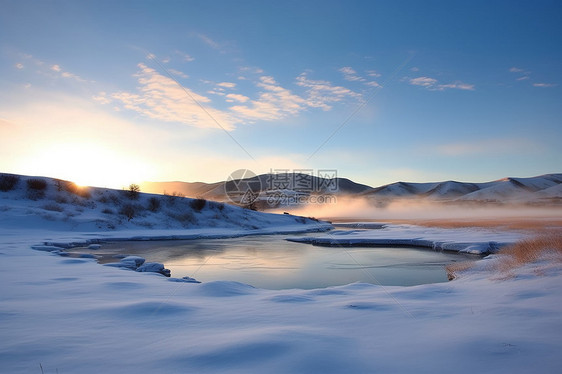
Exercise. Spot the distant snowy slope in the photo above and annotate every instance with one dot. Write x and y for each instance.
(513, 189)
(506, 190)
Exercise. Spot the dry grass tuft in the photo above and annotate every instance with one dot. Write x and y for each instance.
(530, 250)
(453, 270)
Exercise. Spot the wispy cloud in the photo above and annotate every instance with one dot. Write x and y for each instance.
(432, 84)
(350, 74)
(236, 97)
(226, 84)
(184, 56)
(178, 73)
(210, 42)
(321, 94)
(275, 102)
(160, 97)
(516, 70)
(19, 66)
(544, 85)
(524, 75)
(65, 74)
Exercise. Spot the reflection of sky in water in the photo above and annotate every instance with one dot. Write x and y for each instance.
(274, 263)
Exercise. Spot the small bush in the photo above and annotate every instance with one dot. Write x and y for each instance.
(129, 211)
(108, 211)
(133, 191)
(153, 204)
(36, 188)
(8, 182)
(37, 184)
(198, 204)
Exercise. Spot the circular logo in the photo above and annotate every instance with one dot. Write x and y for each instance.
(242, 187)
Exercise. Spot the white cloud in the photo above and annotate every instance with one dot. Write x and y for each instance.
(236, 97)
(210, 42)
(415, 69)
(523, 78)
(161, 98)
(19, 66)
(226, 84)
(102, 98)
(432, 84)
(184, 56)
(373, 84)
(275, 102)
(544, 85)
(350, 74)
(516, 70)
(320, 94)
(65, 74)
(423, 81)
(178, 73)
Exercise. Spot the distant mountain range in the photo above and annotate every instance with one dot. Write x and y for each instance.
(541, 190)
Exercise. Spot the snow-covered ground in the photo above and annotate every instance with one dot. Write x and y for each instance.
(464, 240)
(70, 315)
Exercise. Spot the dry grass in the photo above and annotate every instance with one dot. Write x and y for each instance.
(546, 243)
(453, 270)
(530, 250)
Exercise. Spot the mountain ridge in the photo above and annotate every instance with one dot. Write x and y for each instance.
(542, 190)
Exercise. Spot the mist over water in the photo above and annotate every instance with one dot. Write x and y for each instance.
(403, 209)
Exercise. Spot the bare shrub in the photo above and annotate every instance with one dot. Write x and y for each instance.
(37, 184)
(129, 211)
(36, 188)
(8, 182)
(171, 199)
(133, 191)
(108, 211)
(153, 204)
(198, 204)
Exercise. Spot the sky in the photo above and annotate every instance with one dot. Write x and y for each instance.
(109, 93)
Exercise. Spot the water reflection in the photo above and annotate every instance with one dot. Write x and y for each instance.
(273, 263)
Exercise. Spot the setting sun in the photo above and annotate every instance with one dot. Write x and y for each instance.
(86, 164)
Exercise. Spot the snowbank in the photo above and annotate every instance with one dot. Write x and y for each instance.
(465, 240)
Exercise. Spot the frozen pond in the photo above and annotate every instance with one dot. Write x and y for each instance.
(271, 262)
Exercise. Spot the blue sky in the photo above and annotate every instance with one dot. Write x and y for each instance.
(114, 92)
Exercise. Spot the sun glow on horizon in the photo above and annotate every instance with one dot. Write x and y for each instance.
(86, 164)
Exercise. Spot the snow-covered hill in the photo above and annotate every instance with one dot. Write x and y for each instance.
(38, 202)
(543, 189)
(540, 190)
